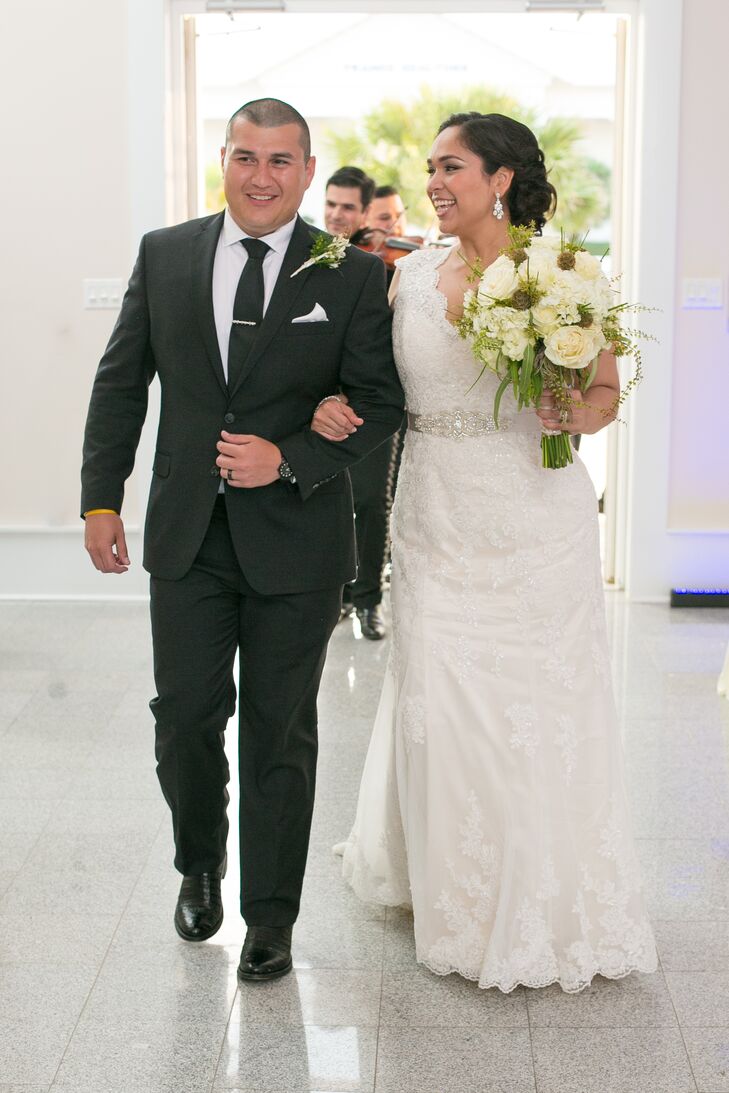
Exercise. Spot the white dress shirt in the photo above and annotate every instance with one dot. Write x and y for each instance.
(230, 258)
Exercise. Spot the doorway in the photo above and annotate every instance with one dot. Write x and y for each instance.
(567, 73)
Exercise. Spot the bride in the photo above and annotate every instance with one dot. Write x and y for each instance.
(492, 797)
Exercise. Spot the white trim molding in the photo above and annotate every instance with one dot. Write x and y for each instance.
(51, 563)
(650, 562)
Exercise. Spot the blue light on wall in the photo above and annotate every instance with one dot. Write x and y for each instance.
(700, 597)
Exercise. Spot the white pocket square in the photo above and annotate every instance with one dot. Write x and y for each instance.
(316, 315)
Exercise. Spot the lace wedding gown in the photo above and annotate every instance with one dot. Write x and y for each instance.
(492, 798)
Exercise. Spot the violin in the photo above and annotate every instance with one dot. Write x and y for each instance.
(387, 247)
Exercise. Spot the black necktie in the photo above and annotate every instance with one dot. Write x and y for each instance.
(247, 309)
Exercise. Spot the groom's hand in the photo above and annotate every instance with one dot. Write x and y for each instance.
(105, 542)
(247, 461)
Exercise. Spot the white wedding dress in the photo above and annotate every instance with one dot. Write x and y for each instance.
(492, 797)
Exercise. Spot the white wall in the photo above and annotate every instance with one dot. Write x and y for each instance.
(82, 86)
(699, 480)
(65, 206)
(679, 461)
(85, 174)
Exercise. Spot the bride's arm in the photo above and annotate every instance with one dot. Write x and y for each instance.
(333, 418)
(392, 292)
(591, 411)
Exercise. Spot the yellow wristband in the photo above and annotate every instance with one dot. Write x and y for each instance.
(97, 512)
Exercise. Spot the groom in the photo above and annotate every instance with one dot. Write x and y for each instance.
(249, 532)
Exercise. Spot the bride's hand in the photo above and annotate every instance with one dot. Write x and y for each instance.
(548, 413)
(571, 421)
(334, 419)
(590, 412)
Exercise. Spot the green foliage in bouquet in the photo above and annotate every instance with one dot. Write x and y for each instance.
(538, 318)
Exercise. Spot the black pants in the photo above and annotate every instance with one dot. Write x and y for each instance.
(372, 489)
(198, 623)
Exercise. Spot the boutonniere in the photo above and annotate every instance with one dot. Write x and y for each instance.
(325, 252)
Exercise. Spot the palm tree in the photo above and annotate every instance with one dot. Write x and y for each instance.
(390, 144)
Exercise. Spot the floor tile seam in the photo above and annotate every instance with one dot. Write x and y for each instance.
(120, 800)
(83, 630)
(676, 838)
(275, 1022)
(17, 714)
(481, 1027)
(379, 1006)
(700, 971)
(718, 921)
(542, 1028)
(92, 743)
(219, 1056)
(31, 850)
(680, 1028)
(103, 961)
(531, 1041)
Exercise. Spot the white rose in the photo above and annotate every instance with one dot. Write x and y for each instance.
(545, 318)
(588, 266)
(542, 265)
(572, 346)
(500, 281)
(515, 343)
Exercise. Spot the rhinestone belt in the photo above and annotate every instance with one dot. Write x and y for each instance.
(457, 424)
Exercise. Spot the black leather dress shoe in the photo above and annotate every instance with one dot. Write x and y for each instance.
(266, 953)
(199, 910)
(371, 622)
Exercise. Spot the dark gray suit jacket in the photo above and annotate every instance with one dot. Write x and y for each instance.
(287, 539)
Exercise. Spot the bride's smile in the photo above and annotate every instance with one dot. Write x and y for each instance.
(458, 187)
(463, 196)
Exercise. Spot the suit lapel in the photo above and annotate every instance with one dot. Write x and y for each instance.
(201, 274)
(286, 290)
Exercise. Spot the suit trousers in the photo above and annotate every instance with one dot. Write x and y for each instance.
(198, 624)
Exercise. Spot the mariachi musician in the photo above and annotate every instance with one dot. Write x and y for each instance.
(347, 200)
(385, 230)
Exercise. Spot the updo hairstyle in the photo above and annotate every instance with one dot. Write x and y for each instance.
(502, 142)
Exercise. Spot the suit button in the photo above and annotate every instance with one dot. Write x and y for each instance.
(229, 419)
(215, 471)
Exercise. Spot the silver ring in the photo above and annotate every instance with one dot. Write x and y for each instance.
(564, 416)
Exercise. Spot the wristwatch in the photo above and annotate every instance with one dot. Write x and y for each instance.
(285, 472)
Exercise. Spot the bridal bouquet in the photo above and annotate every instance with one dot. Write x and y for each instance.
(539, 318)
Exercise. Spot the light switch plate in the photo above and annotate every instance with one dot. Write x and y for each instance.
(702, 292)
(106, 292)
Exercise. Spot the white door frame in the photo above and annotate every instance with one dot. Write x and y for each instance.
(157, 140)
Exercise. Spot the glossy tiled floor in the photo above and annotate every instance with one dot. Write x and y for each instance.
(97, 994)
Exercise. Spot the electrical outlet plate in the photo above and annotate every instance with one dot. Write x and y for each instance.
(702, 292)
(105, 292)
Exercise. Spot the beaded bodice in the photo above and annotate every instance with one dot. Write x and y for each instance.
(437, 368)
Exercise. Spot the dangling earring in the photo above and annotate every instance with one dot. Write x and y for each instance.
(498, 207)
